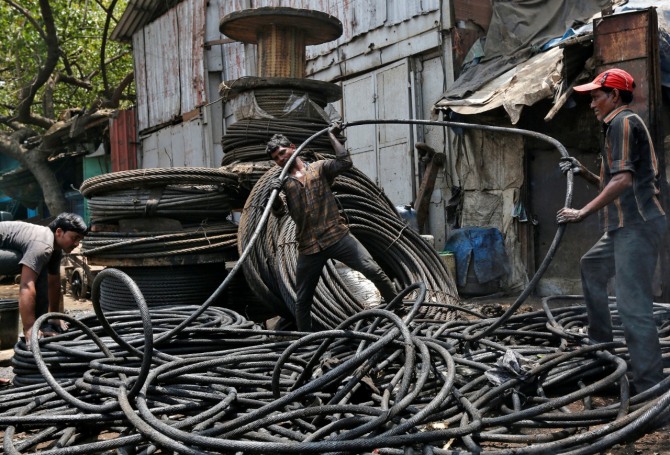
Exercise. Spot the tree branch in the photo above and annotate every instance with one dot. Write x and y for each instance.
(82, 83)
(53, 52)
(118, 92)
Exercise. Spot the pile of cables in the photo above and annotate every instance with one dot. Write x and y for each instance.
(67, 356)
(403, 254)
(377, 383)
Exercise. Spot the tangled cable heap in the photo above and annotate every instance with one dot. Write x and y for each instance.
(377, 383)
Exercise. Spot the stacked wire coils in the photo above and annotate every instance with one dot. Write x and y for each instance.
(168, 228)
(400, 251)
(279, 99)
(266, 106)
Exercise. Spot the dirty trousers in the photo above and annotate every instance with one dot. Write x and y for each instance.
(629, 253)
(347, 250)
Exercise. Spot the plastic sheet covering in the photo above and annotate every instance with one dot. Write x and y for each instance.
(511, 365)
(246, 106)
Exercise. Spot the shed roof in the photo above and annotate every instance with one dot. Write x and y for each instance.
(137, 14)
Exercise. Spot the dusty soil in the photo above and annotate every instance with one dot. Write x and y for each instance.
(657, 443)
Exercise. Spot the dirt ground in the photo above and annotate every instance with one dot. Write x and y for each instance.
(657, 443)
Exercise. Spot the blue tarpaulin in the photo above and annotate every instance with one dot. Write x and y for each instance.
(482, 245)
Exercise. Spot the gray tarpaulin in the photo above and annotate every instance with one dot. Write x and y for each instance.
(518, 30)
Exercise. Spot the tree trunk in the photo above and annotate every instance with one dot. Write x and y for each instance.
(35, 160)
(37, 164)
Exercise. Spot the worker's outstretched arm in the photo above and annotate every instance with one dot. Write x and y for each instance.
(341, 152)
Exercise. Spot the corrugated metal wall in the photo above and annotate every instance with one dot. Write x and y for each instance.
(357, 16)
(169, 66)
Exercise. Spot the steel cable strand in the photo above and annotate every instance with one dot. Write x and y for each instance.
(9, 433)
(402, 400)
(156, 177)
(98, 244)
(35, 348)
(365, 213)
(405, 397)
(345, 367)
(171, 370)
(557, 402)
(596, 439)
(258, 270)
(385, 246)
(555, 326)
(143, 309)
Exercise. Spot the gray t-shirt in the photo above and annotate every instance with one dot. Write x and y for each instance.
(35, 243)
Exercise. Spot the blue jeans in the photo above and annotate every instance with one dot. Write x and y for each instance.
(9, 265)
(629, 253)
(350, 252)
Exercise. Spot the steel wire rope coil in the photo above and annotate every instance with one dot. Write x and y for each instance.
(156, 177)
(179, 202)
(245, 140)
(397, 250)
(163, 286)
(208, 238)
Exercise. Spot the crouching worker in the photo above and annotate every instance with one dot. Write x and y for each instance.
(321, 231)
(35, 252)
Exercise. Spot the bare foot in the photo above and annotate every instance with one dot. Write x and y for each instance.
(5, 381)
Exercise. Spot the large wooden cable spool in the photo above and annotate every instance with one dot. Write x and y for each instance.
(281, 34)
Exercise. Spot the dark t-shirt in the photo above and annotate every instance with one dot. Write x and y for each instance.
(33, 242)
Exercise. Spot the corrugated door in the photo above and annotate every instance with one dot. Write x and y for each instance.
(396, 170)
(383, 152)
(359, 104)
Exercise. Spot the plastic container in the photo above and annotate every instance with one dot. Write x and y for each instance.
(9, 323)
(408, 214)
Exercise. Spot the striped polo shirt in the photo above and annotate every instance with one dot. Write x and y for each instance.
(628, 147)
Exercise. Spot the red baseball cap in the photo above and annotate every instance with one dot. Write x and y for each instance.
(613, 78)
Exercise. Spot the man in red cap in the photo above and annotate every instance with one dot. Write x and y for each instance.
(632, 222)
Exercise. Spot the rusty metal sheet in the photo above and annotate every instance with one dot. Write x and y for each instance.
(624, 41)
(123, 141)
(623, 37)
(162, 66)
